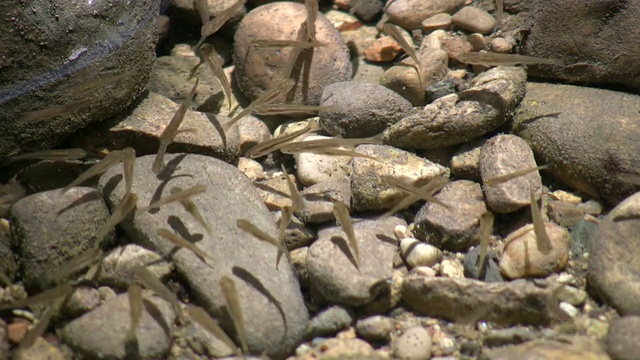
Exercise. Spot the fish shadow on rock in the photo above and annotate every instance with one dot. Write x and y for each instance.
(92, 196)
(341, 243)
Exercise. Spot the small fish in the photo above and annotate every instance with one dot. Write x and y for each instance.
(151, 282)
(181, 242)
(32, 335)
(308, 145)
(286, 214)
(265, 43)
(44, 297)
(126, 205)
(72, 266)
(135, 308)
(192, 209)
(312, 16)
(235, 311)
(92, 85)
(392, 31)
(410, 189)
(212, 26)
(486, 225)
(178, 196)
(542, 238)
(112, 159)
(33, 117)
(268, 96)
(207, 52)
(128, 159)
(202, 6)
(338, 152)
(286, 109)
(274, 144)
(429, 188)
(297, 202)
(55, 155)
(341, 212)
(496, 59)
(249, 227)
(201, 316)
(171, 130)
(504, 178)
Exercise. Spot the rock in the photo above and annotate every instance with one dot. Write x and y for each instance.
(41, 349)
(17, 330)
(4, 341)
(509, 336)
(185, 11)
(275, 192)
(501, 45)
(316, 168)
(357, 37)
(608, 55)
(297, 234)
(589, 151)
(333, 272)
(477, 41)
(368, 9)
(251, 168)
(465, 162)
(319, 200)
(623, 340)
(417, 253)
(260, 68)
(141, 129)
(468, 301)
(102, 332)
(50, 228)
(365, 71)
(451, 268)
(383, 49)
(201, 342)
(502, 155)
(442, 88)
(118, 265)
(582, 236)
(441, 21)
(474, 19)
(368, 109)
(403, 77)
(341, 348)
(576, 347)
(375, 328)
(569, 309)
(37, 177)
(370, 192)
(491, 272)
(82, 300)
(61, 73)
(410, 13)
(414, 344)
(614, 272)
(8, 265)
(329, 321)
(299, 262)
(454, 228)
(251, 131)
(521, 256)
(270, 299)
(458, 118)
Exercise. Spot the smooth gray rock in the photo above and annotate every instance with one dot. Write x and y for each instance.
(257, 69)
(474, 19)
(82, 300)
(410, 13)
(614, 269)
(330, 261)
(414, 344)
(118, 265)
(329, 321)
(366, 109)
(319, 200)
(375, 328)
(51, 228)
(592, 147)
(85, 61)
(101, 334)
(270, 299)
(623, 339)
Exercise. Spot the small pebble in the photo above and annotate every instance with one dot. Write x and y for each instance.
(436, 22)
(17, 330)
(417, 253)
(569, 309)
(374, 328)
(382, 50)
(316, 168)
(501, 45)
(474, 19)
(251, 168)
(451, 268)
(329, 321)
(424, 271)
(414, 344)
(477, 41)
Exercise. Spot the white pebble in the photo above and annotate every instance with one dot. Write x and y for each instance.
(569, 309)
(451, 268)
(417, 253)
(414, 344)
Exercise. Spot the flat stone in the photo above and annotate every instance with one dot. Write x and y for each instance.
(462, 117)
(383, 49)
(102, 333)
(465, 162)
(370, 192)
(501, 45)
(614, 270)
(274, 312)
(329, 321)
(623, 340)
(316, 168)
(502, 155)
(331, 267)
(50, 228)
(454, 228)
(587, 145)
(118, 265)
(82, 300)
(474, 19)
(275, 192)
(410, 13)
(441, 21)
(572, 348)
(468, 301)
(368, 109)
(319, 199)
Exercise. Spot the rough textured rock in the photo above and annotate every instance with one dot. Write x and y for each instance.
(623, 339)
(329, 321)
(462, 117)
(118, 265)
(468, 301)
(410, 13)
(8, 265)
(465, 162)
(375, 328)
(101, 334)
(572, 348)
(316, 168)
(257, 69)
(368, 109)
(319, 200)
(414, 344)
(51, 228)
(613, 262)
(609, 51)
(592, 147)
(274, 312)
(86, 63)
(330, 261)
